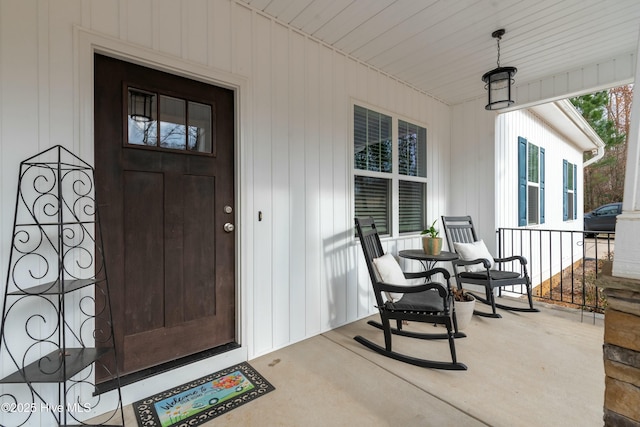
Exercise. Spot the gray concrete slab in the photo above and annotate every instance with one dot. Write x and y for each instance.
(526, 369)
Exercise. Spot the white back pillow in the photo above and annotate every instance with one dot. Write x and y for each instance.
(391, 273)
(471, 251)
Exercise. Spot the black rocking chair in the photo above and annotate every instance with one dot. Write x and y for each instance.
(431, 302)
(459, 229)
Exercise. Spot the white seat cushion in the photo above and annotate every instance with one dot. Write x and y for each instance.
(391, 273)
(473, 251)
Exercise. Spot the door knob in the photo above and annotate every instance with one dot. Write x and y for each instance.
(228, 227)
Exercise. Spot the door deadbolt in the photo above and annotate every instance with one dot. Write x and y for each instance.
(228, 227)
(228, 209)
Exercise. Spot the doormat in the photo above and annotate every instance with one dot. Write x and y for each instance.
(202, 400)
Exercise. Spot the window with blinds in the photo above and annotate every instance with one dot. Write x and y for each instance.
(412, 149)
(412, 196)
(372, 199)
(380, 168)
(372, 140)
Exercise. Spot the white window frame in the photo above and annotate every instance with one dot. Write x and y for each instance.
(525, 184)
(571, 189)
(394, 176)
(533, 184)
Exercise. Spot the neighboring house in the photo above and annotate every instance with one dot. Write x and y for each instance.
(286, 168)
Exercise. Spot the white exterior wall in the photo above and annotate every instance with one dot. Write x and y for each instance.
(472, 167)
(526, 124)
(484, 178)
(299, 270)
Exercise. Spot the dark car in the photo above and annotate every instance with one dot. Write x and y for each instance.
(602, 218)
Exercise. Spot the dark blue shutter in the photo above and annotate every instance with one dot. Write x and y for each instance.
(522, 181)
(565, 190)
(541, 185)
(575, 192)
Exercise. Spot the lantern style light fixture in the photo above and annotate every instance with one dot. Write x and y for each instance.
(498, 81)
(140, 105)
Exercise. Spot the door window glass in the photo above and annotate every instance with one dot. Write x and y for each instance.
(167, 122)
(173, 123)
(199, 127)
(141, 118)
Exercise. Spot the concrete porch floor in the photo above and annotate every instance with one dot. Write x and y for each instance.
(526, 369)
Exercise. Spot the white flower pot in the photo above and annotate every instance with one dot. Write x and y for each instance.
(464, 312)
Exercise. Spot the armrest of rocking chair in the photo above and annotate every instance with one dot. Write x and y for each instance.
(388, 287)
(485, 262)
(523, 260)
(427, 274)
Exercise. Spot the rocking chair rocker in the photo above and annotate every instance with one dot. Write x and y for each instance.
(431, 302)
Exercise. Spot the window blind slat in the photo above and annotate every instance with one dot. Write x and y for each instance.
(412, 206)
(372, 198)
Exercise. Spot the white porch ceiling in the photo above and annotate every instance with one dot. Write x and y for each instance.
(443, 47)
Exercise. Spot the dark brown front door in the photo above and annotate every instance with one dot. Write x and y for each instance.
(165, 189)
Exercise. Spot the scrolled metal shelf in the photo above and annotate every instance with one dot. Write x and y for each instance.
(76, 359)
(57, 289)
(54, 288)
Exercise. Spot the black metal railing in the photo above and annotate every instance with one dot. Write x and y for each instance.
(563, 264)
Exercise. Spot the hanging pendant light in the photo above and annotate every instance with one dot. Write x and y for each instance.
(498, 81)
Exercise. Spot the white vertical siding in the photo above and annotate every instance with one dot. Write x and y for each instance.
(300, 271)
(297, 214)
(472, 167)
(544, 258)
(24, 68)
(263, 238)
(336, 253)
(484, 177)
(280, 161)
(311, 159)
(526, 124)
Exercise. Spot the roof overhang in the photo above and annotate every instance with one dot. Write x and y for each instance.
(566, 120)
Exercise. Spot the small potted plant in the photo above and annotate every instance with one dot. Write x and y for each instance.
(464, 304)
(431, 243)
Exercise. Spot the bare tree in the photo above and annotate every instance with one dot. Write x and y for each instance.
(608, 113)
